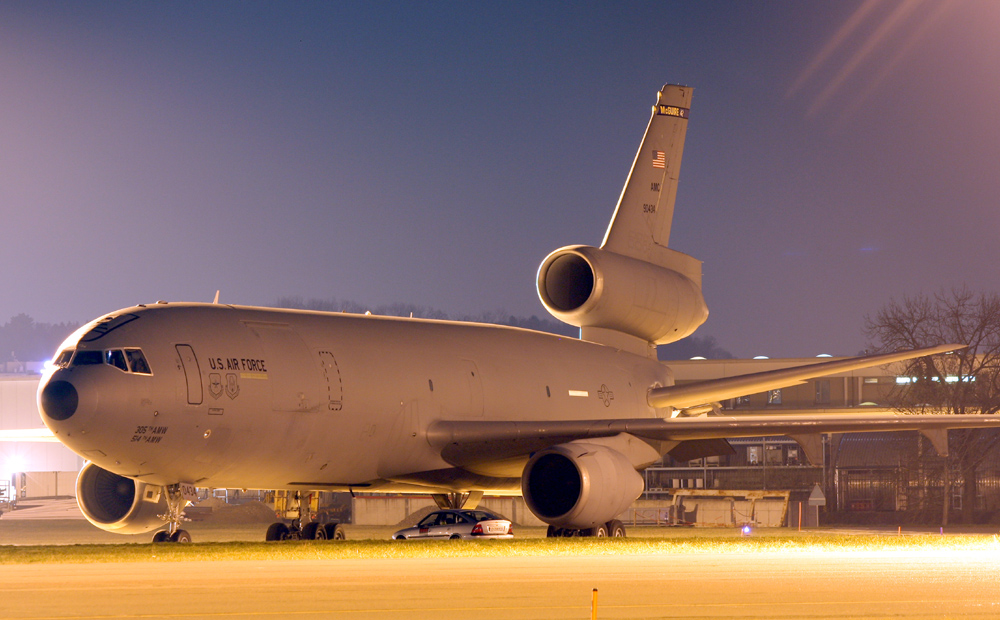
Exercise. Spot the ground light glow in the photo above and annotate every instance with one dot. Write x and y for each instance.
(851, 547)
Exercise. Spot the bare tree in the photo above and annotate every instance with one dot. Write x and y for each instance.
(962, 382)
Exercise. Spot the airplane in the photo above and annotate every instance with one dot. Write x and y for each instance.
(163, 398)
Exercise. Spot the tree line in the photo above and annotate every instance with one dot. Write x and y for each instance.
(24, 340)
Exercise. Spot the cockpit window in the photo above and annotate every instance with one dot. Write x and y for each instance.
(126, 360)
(116, 358)
(137, 361)
(88, 358)
(63, 359)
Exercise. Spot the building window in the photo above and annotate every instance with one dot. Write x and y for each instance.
(823, 392)
(774, 397)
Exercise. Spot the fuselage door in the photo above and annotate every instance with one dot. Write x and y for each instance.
(192, 373)
(334, 384)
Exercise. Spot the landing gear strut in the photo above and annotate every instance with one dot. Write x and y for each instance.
(312, 530)
(176, 503)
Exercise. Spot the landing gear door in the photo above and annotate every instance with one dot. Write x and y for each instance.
(192, 373)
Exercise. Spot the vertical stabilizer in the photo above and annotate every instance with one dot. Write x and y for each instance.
(640, 227)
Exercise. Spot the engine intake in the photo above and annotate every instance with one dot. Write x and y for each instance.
(590, 287)
(579, 485)
(118, 504)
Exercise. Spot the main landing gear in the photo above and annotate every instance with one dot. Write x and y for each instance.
(312, 530)
(613, 529)
(176, 503)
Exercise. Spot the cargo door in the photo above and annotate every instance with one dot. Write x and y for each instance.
(333, 381)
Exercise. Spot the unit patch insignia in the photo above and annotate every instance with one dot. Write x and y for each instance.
(232, 385)
(215, 385)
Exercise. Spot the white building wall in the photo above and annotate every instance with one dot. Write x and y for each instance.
(19, 411)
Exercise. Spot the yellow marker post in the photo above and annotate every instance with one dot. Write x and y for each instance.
(593, 606)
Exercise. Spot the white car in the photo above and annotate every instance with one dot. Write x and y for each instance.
(454, 524)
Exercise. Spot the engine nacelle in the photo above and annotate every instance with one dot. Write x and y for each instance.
(118, 504)
(590, 287)
(579, 485)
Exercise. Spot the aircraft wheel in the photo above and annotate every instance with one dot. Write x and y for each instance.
(277, 531)
(314, 531)
(601, 531)
(616, 529)
(334, 531)
(161, 536)
(180, 536)
(554, 532)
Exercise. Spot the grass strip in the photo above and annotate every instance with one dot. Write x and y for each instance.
(382, 549)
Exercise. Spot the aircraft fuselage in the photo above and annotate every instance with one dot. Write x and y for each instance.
(246, 397)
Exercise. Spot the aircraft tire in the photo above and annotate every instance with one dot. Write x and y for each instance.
(276, 531)
(601, 531)
(161, 536)
(334, 531)
(180, 536)
(616, 529)
(314, 531)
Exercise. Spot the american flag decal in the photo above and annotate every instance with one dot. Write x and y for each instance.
(659, 159)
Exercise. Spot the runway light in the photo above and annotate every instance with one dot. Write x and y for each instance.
(746, 530)
(15, 464)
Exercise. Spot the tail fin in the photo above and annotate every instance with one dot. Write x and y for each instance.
(640, 227)
(634, 292)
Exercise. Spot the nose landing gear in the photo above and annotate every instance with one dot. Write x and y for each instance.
(176, 503)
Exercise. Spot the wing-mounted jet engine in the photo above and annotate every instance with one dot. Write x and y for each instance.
(119, 504)
(580, 487)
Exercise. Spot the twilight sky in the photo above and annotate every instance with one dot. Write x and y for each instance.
(838, 154)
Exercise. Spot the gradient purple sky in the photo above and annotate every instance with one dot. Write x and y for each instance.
(838, 155)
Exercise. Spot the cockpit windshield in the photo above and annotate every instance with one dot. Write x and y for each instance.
(126, 360)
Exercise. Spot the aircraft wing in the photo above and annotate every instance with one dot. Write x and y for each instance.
(27, 434)
(464, 442)
(702, 392)
(469, 442)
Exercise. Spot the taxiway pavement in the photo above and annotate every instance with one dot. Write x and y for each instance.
(907, 585)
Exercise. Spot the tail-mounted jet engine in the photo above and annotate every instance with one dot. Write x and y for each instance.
(579, 485)
(118, 504)
(590, 287)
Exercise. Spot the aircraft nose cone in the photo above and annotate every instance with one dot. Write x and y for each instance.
(60, 400)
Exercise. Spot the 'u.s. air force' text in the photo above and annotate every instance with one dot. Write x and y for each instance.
(237, 363)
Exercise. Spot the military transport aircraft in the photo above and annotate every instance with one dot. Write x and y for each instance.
(166, 397)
